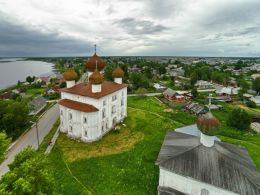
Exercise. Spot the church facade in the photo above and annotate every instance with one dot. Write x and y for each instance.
(89, 110)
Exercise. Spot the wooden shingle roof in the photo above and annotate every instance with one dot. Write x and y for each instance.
(224, 165)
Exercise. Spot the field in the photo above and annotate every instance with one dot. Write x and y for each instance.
(123, 162)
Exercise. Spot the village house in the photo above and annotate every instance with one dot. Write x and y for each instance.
(158, 86)
(256, 100)
(36, 105)
(195, 108)
(254, 76)
(200, 84)
(221, 90)
(5, 95)
(172, 95)
(176, 72)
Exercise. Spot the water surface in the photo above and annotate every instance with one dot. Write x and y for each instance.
(11, 72)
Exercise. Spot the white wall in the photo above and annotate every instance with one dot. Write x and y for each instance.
(188, 185)
(97, 126)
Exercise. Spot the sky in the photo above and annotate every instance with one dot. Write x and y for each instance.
(130, 27)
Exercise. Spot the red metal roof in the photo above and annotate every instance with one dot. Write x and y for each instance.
(86, 89)
(77, 105)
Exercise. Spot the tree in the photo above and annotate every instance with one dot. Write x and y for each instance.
(256, 85)
(251, 104)
(141, 92)
(139, 80)
(14, 118)
(194, 78)
(30, 173)
(108, 72)
(30, 79)
(239, 119)
(4, 143)
(194, 92)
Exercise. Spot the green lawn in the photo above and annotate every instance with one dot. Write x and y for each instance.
(35, 91)
(123, 162)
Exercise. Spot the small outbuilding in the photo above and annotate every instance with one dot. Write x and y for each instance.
(37, 105)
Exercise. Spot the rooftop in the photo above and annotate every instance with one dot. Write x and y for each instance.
(223, 165)
(83, 89)
(77, 105)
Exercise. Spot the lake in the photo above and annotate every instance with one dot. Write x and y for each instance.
(12, 71)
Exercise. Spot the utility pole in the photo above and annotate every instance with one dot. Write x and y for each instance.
(37, 133)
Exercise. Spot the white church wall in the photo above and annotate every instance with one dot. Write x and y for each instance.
(97, 125)
(188, 185)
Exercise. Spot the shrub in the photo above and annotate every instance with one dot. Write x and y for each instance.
(251, 104)
(239, 119)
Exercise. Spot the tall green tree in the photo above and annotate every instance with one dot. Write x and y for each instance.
(4, 143)
(239, 119)
(29, 174)
(256, 85)
(14, 118)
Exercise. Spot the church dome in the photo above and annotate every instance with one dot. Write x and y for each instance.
(118, 73)
(96, 77)
(70, 74)
(208, 124)
(95, 62)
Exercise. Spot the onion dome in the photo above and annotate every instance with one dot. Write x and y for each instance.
(208, 124)
(95, 62)
(70, 74)
(118, 73)
(96, 77)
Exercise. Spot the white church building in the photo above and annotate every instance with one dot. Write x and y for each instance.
(89, 110)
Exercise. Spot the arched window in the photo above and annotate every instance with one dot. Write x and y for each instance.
(70, 116)
(85, 120)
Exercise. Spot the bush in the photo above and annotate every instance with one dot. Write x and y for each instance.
(239, 119)
(251, 104)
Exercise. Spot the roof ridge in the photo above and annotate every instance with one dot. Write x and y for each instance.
(163, 161)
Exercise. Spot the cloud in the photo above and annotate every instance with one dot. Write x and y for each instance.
(19, 41)
(136, 27)
(130, 27)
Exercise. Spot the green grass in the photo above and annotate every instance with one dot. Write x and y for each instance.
(35, 91)
(105, 168)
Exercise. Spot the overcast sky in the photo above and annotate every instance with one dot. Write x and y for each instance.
(130, 27)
